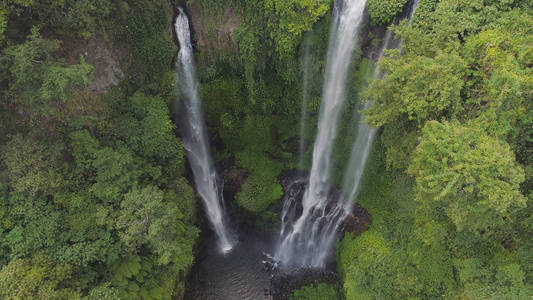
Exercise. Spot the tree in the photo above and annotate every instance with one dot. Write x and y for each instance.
(32, 167)
(37, 77)
(147, 218)
(74, 161)
(384, 12)
(117, 172)
(37, 278)
(3, 23)
(416, 88)
(150, 133)
(31, 224)
(470, 175)
(289, 19)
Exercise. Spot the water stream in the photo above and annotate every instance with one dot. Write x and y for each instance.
(194, 136)
(308, 227)
(362, 145)
(414, 6)
(307, 241)
(365, 135)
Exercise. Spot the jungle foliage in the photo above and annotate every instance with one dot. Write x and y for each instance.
(383, 12)
(251, 88)
(451, 204)
(93, 199)
(93, 202)
(317, 292)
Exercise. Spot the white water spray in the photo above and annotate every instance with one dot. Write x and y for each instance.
(308, 243)
(365, 135)
(194, 135)
(362, 145)
(310, 239)
(413, 10)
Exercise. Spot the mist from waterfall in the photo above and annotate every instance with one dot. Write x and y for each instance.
(307, 242)
(194, 135)
(363, 143)
(365, 135)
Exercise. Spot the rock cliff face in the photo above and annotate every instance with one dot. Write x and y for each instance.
(104, 56)
(213, 33)
(105, 60)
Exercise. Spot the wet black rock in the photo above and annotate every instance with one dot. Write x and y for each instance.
(294, 183)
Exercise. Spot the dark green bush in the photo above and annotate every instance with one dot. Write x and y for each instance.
(384, 11)
(317, 292)
(154, 51)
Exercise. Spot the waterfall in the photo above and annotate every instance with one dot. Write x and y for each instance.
(414, 6)
(362, 145)
(365, 135)
(194, 135)
(305, 98)
(308, 240)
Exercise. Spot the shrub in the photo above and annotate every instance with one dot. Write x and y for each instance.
(317, 292)
(384, 11)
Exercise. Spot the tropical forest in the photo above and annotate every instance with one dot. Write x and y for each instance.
(266, 149)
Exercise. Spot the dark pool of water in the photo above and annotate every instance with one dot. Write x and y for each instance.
(237, 275)
(242, 273)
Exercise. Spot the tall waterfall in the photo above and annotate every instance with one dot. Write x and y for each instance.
(362, 145)
(308, 241)
(194, 135)
(365, 134)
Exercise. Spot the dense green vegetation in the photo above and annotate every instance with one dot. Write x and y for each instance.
(93, 199)
(452, 214)
(383, 12)
(253, 95)
(93, 203)
(317, 292)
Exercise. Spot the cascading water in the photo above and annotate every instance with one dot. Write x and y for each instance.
(413, 10)
(362, 145)
(194, 135)
(365, 134)
(308, 241)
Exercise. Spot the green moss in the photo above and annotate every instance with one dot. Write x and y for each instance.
(223, 99)
(350, 118)
(255, 146)
(321, 291)
(261, 188)
(387, 195)
(258, 193)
